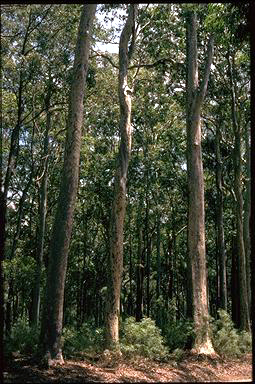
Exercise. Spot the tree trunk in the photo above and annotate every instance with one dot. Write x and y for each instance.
(158, 258)
(130, 296)
(2, 225)
(235, 286)
(42, 216)
(246, 221)
(62, 227)
(196, 221)
(148, 252)
(119, 199)
(140, 273)
(244, 306)
(221, 254)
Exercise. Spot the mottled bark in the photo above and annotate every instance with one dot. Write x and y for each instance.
(119, 199)
(221, 254)
(196, 220)
(244, 306)
(62, 226)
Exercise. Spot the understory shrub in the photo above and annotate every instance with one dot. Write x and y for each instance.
(142, 339)
(23, 338)
(83, 339)
(226, 339)
(179, 336)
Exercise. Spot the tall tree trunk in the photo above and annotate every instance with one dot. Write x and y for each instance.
(235, 286)
(158, 258)
(196, 221)
(148, 251)
(42, 215)
(247, 214)
(244, 306)
(140, 270)
(119, 199)
(221, 254)
(2, 225)
(62, 226)
(130, 296)
(158, 286)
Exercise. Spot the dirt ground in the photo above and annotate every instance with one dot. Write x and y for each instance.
(191, 369)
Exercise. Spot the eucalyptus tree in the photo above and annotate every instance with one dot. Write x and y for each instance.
(244, 306)
(120, 180)
(62, 227)
(196, 224)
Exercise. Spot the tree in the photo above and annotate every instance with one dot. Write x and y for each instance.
(119, 199)
(244, 303)
(62, 227)
(196, 227)
(42, 210)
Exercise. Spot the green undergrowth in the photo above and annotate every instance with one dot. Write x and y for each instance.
(142, 339)
(179, 336)
(84, 340)
(227, 340)
(23, 339)
(137, 339)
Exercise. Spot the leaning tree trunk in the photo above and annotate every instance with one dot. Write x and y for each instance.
(62, 227)
(196, 220)
(119, 199)
(221, 254)
(244, 306)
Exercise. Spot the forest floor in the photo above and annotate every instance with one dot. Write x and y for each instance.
(190, 369)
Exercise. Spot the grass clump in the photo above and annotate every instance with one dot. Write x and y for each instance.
(142, 339)
(227, 341)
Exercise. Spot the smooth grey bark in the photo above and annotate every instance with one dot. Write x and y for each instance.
(53, 312)
(195, 95)
(221, 254)
(244, 306)
(120, 180)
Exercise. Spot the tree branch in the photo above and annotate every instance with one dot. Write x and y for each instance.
(151, 65)
(97, 54)
(204, 83)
